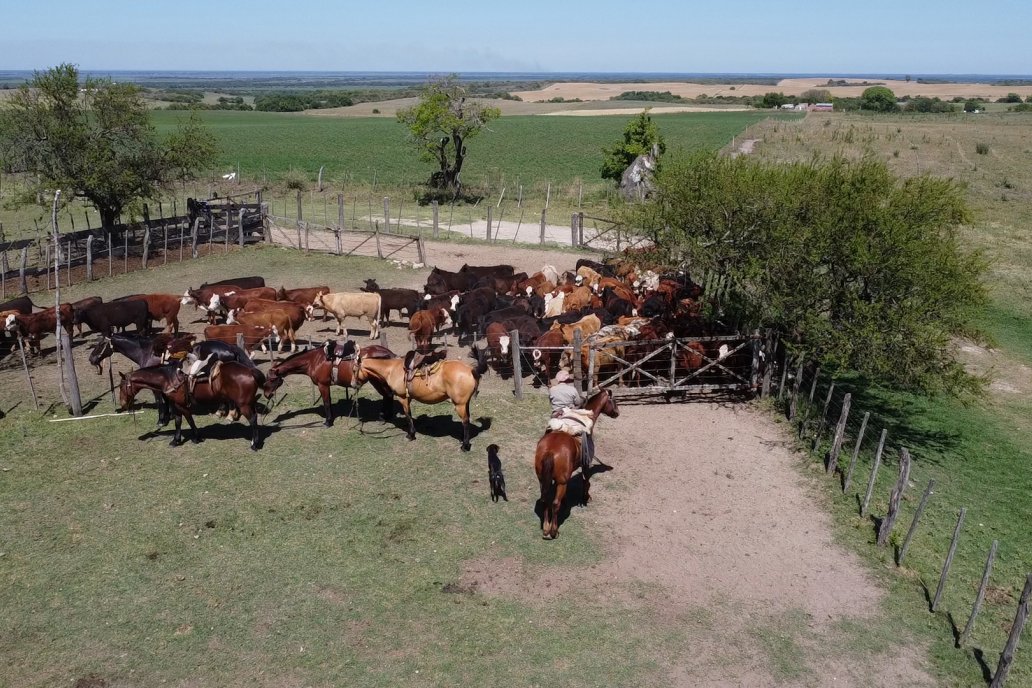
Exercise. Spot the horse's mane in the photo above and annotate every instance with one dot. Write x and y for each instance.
(297, 354)
(591, 397)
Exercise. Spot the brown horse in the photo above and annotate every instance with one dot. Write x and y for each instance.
(451, 380)
(319, 370)
(230, 382)
(557, 457)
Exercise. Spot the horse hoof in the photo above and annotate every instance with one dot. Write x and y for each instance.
(195, 441)
(465, 447)
(173, 443)
(547, 536)
(411, 438)
(327, 423)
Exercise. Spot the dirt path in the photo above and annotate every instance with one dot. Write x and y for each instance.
(705, 507)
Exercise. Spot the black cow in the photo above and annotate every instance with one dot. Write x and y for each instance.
(394, 299)
(620, 308)
(22, 304)
(473, 306)
(481, 271)
(104, 317)
(655, 306)
(440, 281)
(242, 282)
(600, 268)
(528, 328)
(517, 309)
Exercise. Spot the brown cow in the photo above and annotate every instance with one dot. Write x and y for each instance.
(303, 296)
(161, 307)
(36, 326)
(297, 313)
(276, 320)
(83, 304)
(222, 303)
(547, 352)
(577, 299)
(424, 324)
(227, 334)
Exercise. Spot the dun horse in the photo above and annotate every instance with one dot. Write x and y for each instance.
(450, 380)
(231, 383)
(557, 457)
(319, 370)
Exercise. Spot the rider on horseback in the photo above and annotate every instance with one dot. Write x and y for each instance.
(566, 402)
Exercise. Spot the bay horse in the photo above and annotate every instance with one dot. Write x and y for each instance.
(452, 380)
(143, 350)
(319, 370)
(557, 457)
(230, 382)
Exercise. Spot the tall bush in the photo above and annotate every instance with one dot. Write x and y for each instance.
(850, 263)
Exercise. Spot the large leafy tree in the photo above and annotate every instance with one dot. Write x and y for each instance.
(850, 263)
(640, 135)
(441, 124)
(879, 99)
(93, 139)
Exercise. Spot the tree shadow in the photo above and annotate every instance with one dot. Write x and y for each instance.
(987, 672)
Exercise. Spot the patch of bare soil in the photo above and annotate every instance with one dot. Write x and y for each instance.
(706, 510)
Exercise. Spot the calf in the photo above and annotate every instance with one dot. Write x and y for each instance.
(35, 326)
(547, 351)
(395, 299)
(440, 281)
(497, 336)
(424, 324)
(222, 303)
(81, 305)
(343, 305)
(449, 300)
(577, 299)
(588, 325)
(275, 320)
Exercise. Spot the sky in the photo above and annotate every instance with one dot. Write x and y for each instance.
(745, 36)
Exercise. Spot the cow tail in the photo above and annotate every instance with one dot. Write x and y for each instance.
(379, 309)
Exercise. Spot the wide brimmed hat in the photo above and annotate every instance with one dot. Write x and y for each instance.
(563, 376)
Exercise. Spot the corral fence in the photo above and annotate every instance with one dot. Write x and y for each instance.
(853, 449)
(28, 265)
(307, 236)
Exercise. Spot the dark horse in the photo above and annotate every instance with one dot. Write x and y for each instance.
(143, 350)
(319, 370)
(557, 457)
(230, 383)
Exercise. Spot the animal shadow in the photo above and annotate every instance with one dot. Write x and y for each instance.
(574, 494)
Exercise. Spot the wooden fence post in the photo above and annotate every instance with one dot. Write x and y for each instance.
(980, 597)
(229, 228)
(125, 249)
(573, 229)
(856, 452)
(387, 214)
(543, 213)
(193, 237)
(435, 207)
(874, 473)
(823, 419)
(949, 561)
(897, 493)
(23, 286)
(89, 258)
(3, 275)
(591, 368)
(769, 347)
(240, 226)
(68, 262)
(793, 405)
(25, 365)
(913, 524)
(146, 245)
(489, 218)
(46, 262)
(421, 249)
(840, 431)
(517, 364)
(376, 235)
(110, 255)
(575, 360)
(299, 206)
(580, 228)
(164, 242)
(784, 378)
(383, 338)
(1007, 656)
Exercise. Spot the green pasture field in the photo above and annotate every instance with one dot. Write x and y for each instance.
(977, 450)
(534, 149)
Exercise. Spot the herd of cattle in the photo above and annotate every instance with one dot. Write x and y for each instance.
(608, 303)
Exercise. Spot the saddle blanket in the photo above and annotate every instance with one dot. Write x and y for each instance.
(424, 371)
(574, 422)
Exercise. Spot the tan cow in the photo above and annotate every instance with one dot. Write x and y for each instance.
(343, 305)
(589, 325)
(577, 299)
(588, 277)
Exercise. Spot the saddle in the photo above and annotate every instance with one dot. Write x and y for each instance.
(335, 352)
(575, 422)
(419, 364)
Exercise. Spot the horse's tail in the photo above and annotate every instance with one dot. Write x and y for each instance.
(546, 478)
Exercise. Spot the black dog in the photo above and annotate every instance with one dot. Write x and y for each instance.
(494, 473)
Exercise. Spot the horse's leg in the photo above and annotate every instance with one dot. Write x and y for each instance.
(387, 407)
(406, 405)
(324, 390)
(557, 502)
(163, 411)
(252, 416)
(177, 438)
(195, 436)
(462, 409)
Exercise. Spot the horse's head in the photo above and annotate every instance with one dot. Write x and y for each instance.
(273, 381)
(602, 402)
(126, 392)
(101, 351)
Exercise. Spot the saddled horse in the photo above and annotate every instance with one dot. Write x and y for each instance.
(231, 383)
(558, 456)
(319, 370)
(448, 380)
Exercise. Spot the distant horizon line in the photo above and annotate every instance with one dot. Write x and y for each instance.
(544, 73)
